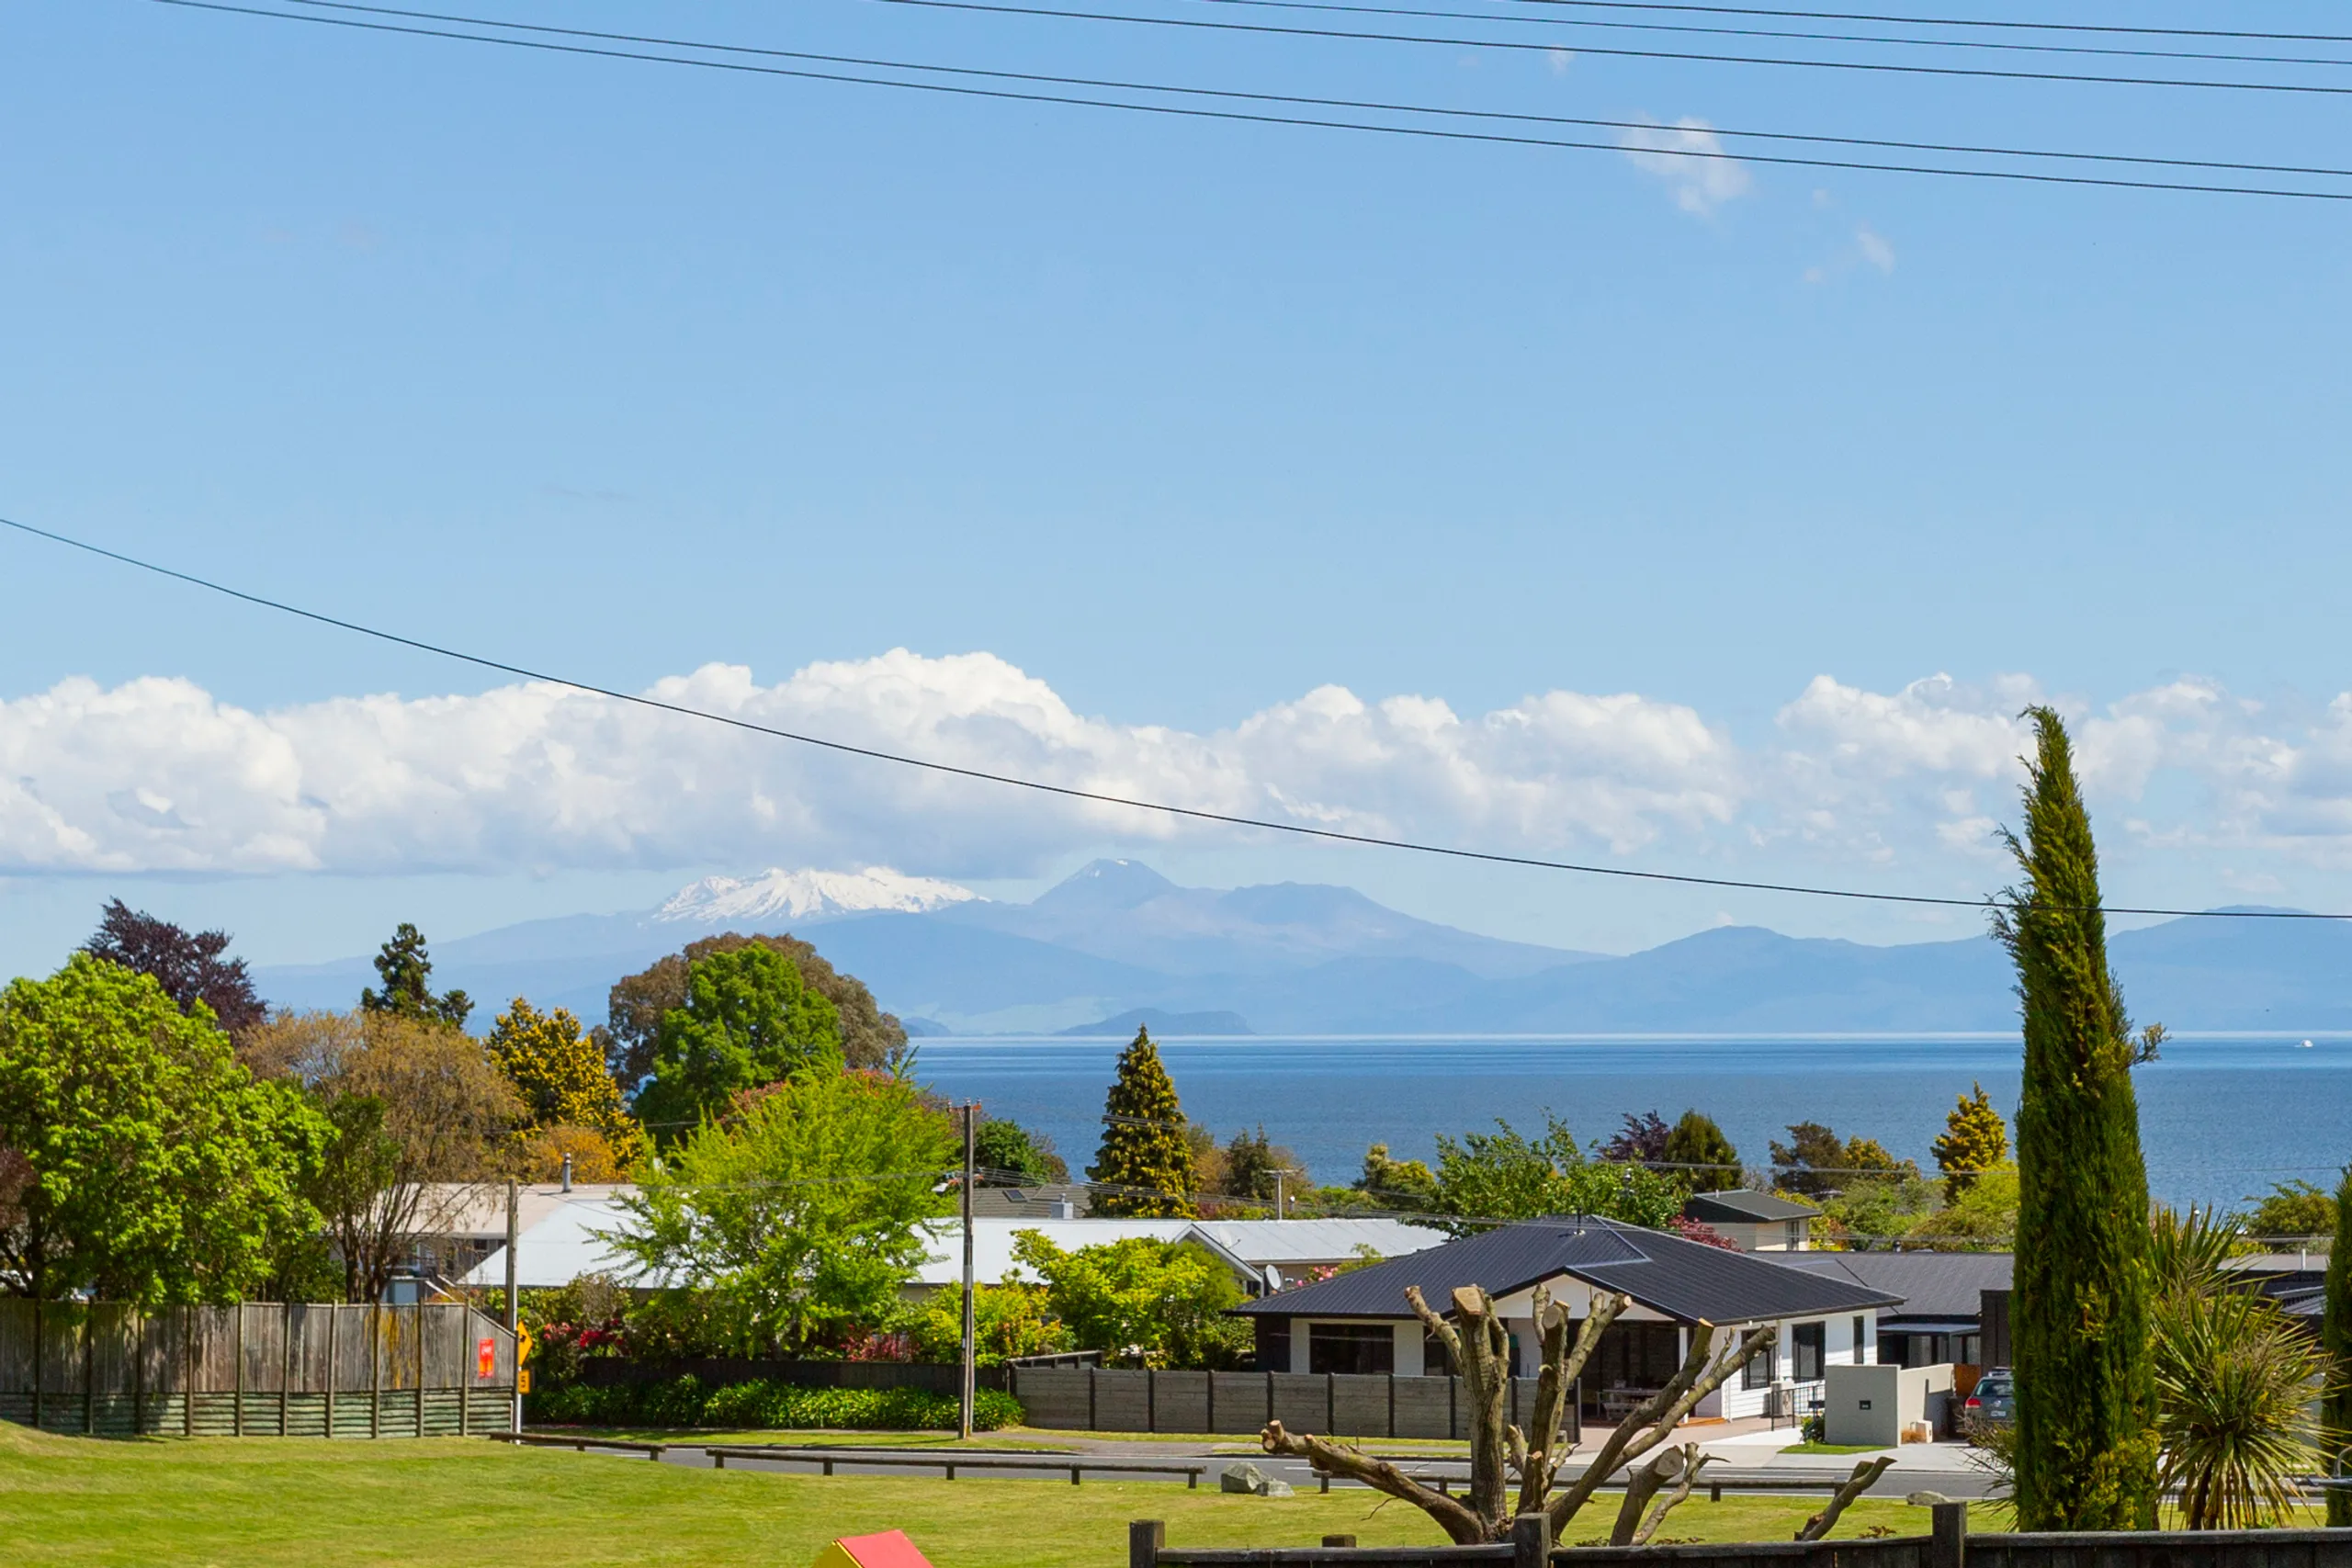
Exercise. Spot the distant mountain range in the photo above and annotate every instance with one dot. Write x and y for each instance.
(1117, 944)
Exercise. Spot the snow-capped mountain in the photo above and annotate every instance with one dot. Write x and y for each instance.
(806, 896)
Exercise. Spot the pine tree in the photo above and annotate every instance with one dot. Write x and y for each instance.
(2086, 1455)
(1700, 1156)
(1976, 1140)
(2336, 1335)
(407, 970)
(1143, 1162)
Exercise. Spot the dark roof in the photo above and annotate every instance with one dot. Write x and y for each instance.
(1929, 1284)
(1033, 1201)
(1683, 1280)
(1745, 1208)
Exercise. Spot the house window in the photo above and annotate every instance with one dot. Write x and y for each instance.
(1273, 1343)
(1810, 1341)
(1437, 1362)
(1359, 1347)
(1861, 1341)
(1757, 1372)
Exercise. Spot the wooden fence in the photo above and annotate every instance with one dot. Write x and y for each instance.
(260, 1368)
(1104, 1399)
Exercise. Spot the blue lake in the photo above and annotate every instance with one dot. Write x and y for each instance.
(2220, 1117)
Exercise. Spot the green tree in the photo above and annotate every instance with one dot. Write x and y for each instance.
(1982, 1219)
(1697, 1151)
(2087, 1396)
(1505, 1175)
(406, 969)
(1008, 1320)
(870, 1037)
(2335, 1337)
(1405, 1184)
(1255, 1166)
(2293, 1209)
(801, 1219)
(559, 1076)
(1975, 1139)
(143, 1163)
(749, 1019)
(1815, 1163)
(1151, 1304)
(1872, 1213)
(1011, 1154)
(1145, 1164)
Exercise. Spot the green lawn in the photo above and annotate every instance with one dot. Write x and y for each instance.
(256, 1502)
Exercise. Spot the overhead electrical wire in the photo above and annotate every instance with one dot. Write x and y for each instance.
(1611, 51)
(1251, 117)
(1653, 5)
(1066, 792)
(2005, 46)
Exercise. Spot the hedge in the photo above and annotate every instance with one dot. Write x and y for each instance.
(684, 1402)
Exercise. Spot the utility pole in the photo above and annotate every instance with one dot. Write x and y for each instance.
(1278, 1194)
(513, 1318)
(971, 1148)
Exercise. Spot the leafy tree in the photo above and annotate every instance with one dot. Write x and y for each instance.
(187, 965)
(801, 1219)
(406, 969)
(2087, 1394)
(2234, 1380)
(558, 1074)
(1700, 1154)
(143, 1164)
(1255, 1166)
(749, 1020)
(2335, 1337)
(1008, 1320)
(1975, 1139)
(1505, 1175)
(1144, 1166)
(427, 1121)
(1815, 1163)
(1870, 1213)
(1641, 1141)
(1982, 1219)
(870, 1037)
(1153, 1303)
(1404, 1184)
(1011, 1154)
(2294, 1209)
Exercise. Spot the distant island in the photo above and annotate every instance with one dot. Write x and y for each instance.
(1160, 1022)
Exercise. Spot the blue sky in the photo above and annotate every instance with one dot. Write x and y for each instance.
(624, 371)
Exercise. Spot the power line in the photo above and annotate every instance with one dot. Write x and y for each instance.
(2003, 45)
(1653, 5)
(1256, 118)
(1066, 792)
(1611, 51)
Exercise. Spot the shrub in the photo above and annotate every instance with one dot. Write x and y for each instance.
(683, 1402)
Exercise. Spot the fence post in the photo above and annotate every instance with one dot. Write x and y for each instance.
(1531, 1541)
(285, 1366)
(420, 1365)
(1090, 1401)
(1144, 1538)
(237, 1414)
(188, 1372)
(1949, 1545)
(138, 1376)
(40, 1345)
(1330, 1403)
(374, 1368)
(335, 1368)
(1392, 1405)
(465, 1376)
(1211, 1375)
(89, 1372)
(1150, 1399)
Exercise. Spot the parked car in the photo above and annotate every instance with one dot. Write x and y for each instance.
(1994, 1398)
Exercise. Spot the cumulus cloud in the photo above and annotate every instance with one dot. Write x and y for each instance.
(1690, 158)
(158, 775)
(1874, 248)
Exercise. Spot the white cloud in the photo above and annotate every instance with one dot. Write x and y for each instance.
(157, 775)
(1690, 157)
(1874, 248)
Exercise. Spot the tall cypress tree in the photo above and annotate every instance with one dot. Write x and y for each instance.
(2085, 1384)
(2335, 1334)
(1145, 1164)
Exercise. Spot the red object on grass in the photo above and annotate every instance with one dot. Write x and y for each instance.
(891, 1549)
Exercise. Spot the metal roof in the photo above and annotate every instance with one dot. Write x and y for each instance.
(1317, 1241)
(1682, 1280)
(1938, 1285)
(1745, 1208)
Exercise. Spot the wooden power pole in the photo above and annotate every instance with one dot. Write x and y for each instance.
(514, 1317)
(971, 1147)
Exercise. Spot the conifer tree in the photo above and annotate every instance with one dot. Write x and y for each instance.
(1145, 1162)
(2336, 1335)
(558, 1074)
(1976, 1140)
(1700, 1156)
(2086, 1456)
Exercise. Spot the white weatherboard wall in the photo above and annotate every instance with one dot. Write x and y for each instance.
(1873, 1404)
(1841, 1349)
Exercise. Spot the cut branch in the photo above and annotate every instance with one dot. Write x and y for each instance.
(1701, 1374)
(1466, 1527)
(1676, 1498)
(1865, 1476)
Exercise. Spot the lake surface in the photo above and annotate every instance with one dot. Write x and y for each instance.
(2221, 1118)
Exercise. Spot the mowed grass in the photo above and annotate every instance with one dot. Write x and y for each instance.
(254, 1502)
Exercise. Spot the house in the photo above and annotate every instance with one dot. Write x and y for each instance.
(1361, 1321)
(1288, 1252)
(557, 1238)
(1264, 1255)
(1754, 1221)
(1043, 1200)
(1940, 1316)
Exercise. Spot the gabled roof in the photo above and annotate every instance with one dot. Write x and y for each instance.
(1319, 1240)
(1682, 1280)
(1940, 1285)
(1745, 1208)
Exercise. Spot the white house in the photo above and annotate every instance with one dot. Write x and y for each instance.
(1361, 1321)
(1262, 1254)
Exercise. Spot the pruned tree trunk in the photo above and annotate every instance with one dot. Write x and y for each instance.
(1865, 1476)
(1480, 1346)
(1678, 1468)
